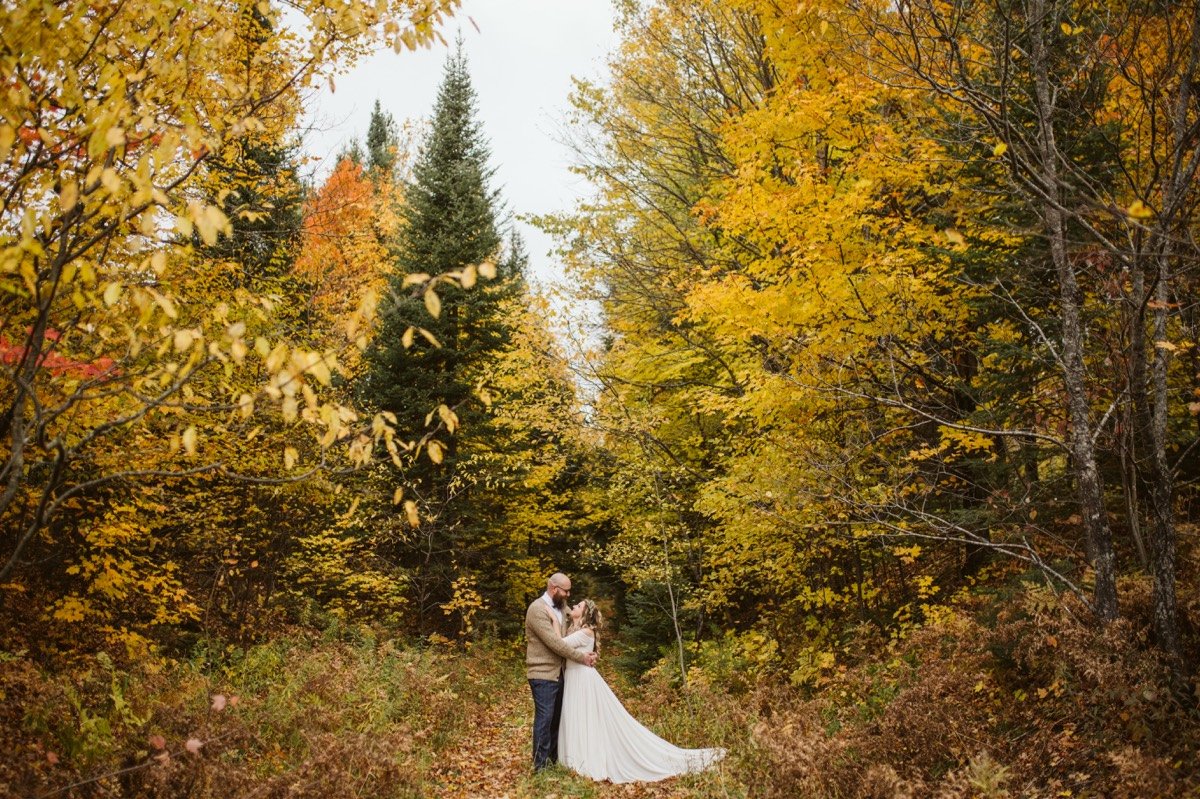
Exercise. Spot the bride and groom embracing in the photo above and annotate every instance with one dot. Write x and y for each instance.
(577, 720)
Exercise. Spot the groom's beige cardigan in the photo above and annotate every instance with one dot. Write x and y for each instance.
(545, 650)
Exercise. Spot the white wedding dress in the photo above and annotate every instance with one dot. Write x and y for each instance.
(599, 739)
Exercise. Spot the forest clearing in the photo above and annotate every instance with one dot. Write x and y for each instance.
(866, 413)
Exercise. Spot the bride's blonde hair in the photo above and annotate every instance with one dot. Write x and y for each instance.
(591, 616)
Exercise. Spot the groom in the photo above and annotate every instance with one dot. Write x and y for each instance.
(545, 654)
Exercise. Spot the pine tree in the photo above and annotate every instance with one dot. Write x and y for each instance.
(452, 219)
(257, 184)
(352, 151)
(383, 141)
(263, 197)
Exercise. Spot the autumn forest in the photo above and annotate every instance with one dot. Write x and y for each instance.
(879, 446)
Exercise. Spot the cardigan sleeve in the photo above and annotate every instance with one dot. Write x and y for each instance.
(541, 626)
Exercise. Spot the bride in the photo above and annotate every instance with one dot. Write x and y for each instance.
(597, 737)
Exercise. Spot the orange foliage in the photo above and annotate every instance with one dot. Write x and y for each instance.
(343, 256)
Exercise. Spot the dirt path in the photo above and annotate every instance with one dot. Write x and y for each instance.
(494, 758)
(494, 761)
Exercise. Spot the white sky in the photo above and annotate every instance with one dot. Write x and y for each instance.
(521, 58)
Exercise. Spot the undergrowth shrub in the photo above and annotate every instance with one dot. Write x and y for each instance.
(1028, 699)
(302, 716)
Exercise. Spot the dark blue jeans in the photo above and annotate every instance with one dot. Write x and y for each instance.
(547, 707)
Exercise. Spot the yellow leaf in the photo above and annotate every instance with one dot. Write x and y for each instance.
(953, 236)
(468, 277)
(208, 220)
(435, 450)
(71, 609)
(8, 135)
(276, 357)
(1138, 210)
(189, 440)
(407, 338)
(110, 180)
(1162, 344)
(487, 270)
(1000, 149)
(184, 340)
(289, 457)
(397, 496)
(68, 197)
(410, 510)
(1066, 28)
(320, 370)
(433, 303)
(112, 293)
(165, 303)
(448, 417)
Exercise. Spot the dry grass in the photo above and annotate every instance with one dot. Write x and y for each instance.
(1008, 694)
(301, 717)
(1038, 702)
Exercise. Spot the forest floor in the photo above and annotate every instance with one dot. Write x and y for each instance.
(307, 717)
(494, 761)
(1011, 692)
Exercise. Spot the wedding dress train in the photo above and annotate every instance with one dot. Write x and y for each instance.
(599, 739)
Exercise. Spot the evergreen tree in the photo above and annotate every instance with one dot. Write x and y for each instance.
(383, 139)
(451, 220)
(353, 151)
(256, 182)
(263, 197)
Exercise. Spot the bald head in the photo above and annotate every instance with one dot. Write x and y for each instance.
(559, 588)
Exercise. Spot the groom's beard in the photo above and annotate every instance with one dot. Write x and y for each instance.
(561, 603)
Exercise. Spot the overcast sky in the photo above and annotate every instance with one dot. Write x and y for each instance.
(522, 58)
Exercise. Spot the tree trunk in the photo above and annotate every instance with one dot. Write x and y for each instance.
(1127, 454)
(1175, 187)
(1162, 546)
(1147, 389)
(1081, 446)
